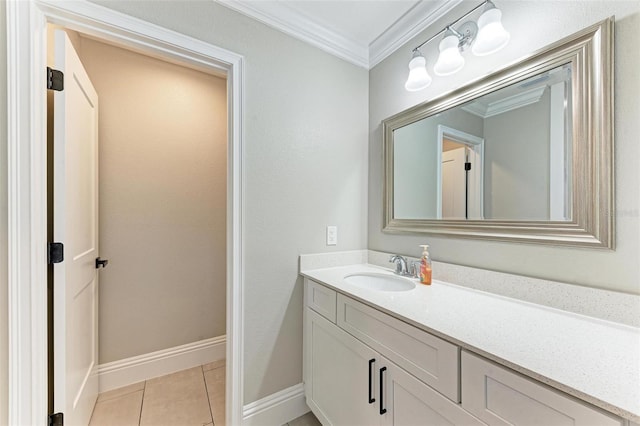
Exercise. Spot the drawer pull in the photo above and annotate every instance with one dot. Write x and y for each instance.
(382, 409)
(371, 398)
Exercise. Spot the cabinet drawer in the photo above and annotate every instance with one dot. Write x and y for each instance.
(499, 396)
(429, 358)
(321, 299)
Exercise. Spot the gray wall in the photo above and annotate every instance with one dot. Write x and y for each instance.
(516, 163)
(533, 25)
(415, 152)
(4, 378)
(163, 158)
(305, 168)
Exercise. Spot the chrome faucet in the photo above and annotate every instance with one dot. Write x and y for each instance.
(401, 265)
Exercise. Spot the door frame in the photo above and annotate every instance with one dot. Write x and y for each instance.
(476, 177)
(27, 184)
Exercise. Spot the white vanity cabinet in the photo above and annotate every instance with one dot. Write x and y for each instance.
(338, 371)
(502, 397)
(365, 367)
(347, 382)
(410, 402)
(434, 361)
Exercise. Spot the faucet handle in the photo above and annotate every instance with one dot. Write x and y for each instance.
(415, 269)
(401, 264)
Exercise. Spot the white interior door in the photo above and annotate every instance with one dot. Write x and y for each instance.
(454, 184)
(75, 224)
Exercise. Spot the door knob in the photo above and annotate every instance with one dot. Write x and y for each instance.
(101, 262)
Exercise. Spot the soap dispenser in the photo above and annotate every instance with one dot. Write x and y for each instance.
(425, 266)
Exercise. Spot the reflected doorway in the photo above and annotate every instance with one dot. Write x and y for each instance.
(460, 190)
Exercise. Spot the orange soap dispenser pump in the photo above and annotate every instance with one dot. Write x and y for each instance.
(425, 266)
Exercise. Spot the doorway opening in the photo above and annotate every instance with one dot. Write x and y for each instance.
(461, 177)
(27, 147)
(158, 214)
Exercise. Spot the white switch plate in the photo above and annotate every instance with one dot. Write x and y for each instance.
(332, 235)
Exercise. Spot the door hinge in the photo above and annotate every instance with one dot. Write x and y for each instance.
(467, 166)
(55, 80)
(56, 419)
(55, 253)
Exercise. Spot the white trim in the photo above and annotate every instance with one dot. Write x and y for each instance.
(283, 18)
(509, 103)
(412, 23)
(132, 370)
(27, 285)
(288, 20)
(476, 177)
(27, 171)
(278, 408)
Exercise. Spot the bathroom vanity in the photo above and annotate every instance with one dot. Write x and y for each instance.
(447, 354)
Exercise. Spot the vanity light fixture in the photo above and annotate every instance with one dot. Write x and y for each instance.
(450, 61)
(486, 37)
(419, 78)
(491, 34)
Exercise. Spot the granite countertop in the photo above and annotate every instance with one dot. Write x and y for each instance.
(593, 359)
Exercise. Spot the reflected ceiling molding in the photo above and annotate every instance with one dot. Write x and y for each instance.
(485, 110)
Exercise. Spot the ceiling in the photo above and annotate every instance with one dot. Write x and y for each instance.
(363, 32)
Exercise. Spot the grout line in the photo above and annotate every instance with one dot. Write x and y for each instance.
(94, 410)
(207, 392)
(144, 388)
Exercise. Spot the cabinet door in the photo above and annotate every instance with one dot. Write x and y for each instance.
(410, 402)
(502, 397)
(337, 374)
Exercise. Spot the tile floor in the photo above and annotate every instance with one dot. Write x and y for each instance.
(193, 397)
(306, 420)
(189, 397)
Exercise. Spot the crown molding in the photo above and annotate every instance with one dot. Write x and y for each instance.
(412, 23)
(516, 101)
(283, 18)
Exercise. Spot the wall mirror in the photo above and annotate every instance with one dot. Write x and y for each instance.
(525, 154)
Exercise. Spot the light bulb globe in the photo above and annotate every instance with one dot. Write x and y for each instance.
(450, 61)
(419, 78)
(491, 34)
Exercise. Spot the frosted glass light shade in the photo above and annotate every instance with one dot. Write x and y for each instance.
(419, 78)
(450, 60)
(491, 34)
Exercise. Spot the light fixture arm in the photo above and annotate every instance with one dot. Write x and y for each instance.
(450, 26)
(466, 33)
(485, 37)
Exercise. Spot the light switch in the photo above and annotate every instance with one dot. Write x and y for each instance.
(332, 235)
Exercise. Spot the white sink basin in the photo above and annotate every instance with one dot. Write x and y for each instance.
(380, 282)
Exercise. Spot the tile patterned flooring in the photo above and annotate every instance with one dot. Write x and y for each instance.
(306, 420)
(193, 397)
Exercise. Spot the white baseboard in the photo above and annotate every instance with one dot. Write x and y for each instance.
(276, 409)
(127, 371)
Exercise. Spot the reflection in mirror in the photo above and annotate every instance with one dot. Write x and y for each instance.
(523, 155)
(506, 155)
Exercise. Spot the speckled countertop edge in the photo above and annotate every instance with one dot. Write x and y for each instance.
(491, 350)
